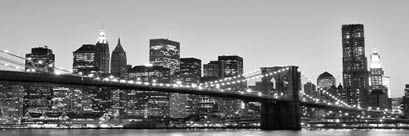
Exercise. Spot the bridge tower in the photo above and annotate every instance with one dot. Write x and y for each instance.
(281, 115)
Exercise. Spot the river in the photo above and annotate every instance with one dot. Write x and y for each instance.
(198, 132)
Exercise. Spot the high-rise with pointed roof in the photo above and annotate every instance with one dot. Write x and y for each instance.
(378, 95)
(102, 53)
(118, 61)
(376, 71)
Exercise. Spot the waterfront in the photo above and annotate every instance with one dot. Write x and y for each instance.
(199, 132)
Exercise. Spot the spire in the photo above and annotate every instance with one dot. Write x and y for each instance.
(118, 47)
(102, 36)
(375, 59)
(119, 41)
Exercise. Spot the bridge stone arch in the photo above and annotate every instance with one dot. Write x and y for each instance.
(281, 115)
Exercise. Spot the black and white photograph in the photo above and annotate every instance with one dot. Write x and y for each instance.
(204, 67)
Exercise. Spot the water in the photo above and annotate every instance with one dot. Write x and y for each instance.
(197, 132)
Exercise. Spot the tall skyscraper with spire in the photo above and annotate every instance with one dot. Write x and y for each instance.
(118, 61)
(376, 71)
(102, 53)
(355, 72)
(378, 96)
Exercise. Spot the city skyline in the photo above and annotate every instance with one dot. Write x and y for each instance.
(226, 38)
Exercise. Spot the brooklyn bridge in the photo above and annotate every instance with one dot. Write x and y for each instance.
(285, 105)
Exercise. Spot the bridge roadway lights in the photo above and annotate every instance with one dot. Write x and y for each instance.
(280, 116)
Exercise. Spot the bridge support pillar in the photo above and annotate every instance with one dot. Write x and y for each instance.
(280, 116)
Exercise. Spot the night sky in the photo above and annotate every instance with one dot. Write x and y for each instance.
(264, 33)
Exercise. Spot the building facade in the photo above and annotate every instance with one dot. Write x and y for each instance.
(37, 99)
(11, 103)
(378, 94)
(355, 74)
(165, 53)
(225, 66)
(231, 66)
(84, 60)
(183, 105)
(119, 66)
(148, 104)
(190, 70)
(41, 59)
(208, 105)
(102, 53)
(326, 80)
(213, 69)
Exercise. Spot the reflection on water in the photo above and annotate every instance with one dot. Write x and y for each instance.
(197, 132)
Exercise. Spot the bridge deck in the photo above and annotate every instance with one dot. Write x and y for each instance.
(15, 76)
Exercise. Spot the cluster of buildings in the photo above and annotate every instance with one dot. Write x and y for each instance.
(361, 87)
(95, 60)
(28, 102)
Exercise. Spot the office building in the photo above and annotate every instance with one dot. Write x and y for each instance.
(41, 59)
(102, 53)
(231, 66)
(183, 105)
(355, 74)
(84, 60)
(148, 104)
(119, 66)
(165, 53)
(378, 95)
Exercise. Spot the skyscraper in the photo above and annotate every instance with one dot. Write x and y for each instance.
(376, 72)
(118, 61)
(41, 59)
(183, 105)
(84, 60)
(102, 53)
(225, 66)
(378, 96)
(355, 74)
(386, 82)
(213, 69)
(190, 70)
(165, 53)
(147, 104)
(231, 66)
